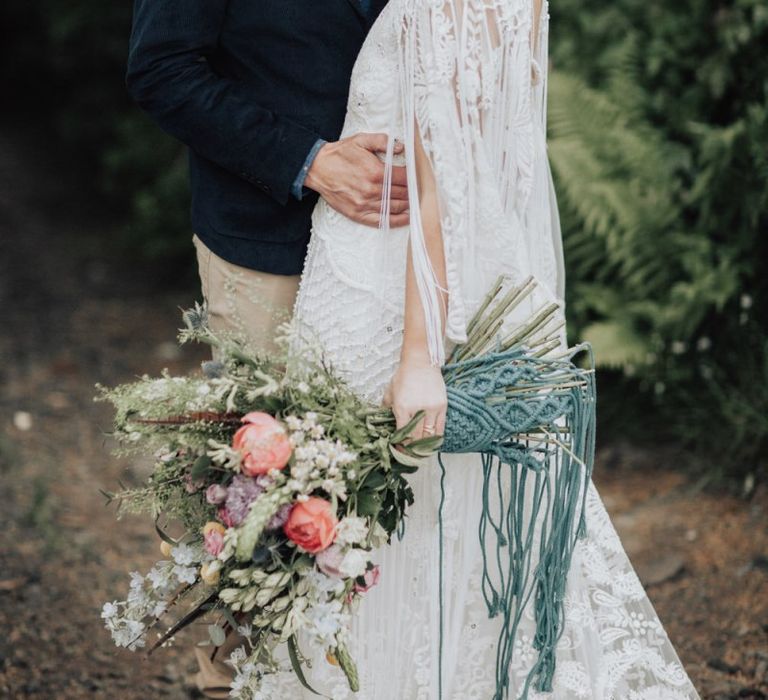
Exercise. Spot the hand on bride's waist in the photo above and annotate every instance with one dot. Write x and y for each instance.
(350, 177)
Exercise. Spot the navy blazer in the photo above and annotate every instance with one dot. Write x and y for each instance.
(249, 86)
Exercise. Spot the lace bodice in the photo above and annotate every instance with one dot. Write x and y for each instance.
(351, 303)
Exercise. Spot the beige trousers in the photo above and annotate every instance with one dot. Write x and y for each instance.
(242, 301)
(251, 304)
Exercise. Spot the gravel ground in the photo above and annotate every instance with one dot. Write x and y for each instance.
(74, 314)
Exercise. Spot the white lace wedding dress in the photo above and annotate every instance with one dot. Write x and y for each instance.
(351, 297)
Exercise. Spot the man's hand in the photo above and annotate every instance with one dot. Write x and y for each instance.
(350, 177)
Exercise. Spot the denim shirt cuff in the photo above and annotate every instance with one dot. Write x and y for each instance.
(298, 189)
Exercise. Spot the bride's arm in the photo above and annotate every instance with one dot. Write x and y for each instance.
(418, 384)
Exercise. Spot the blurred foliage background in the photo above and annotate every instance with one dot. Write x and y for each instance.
(658, 130)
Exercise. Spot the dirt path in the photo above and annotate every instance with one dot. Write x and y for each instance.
(73, 314)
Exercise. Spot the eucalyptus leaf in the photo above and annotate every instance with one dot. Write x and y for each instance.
(293, 654)
(216, 635)
(407, 459)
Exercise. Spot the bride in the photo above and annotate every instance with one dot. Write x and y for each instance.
(461, 84)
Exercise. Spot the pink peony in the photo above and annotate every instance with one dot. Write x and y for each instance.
(329, 561)
(311, 525)
(213, 537)
(263, 443)
(371, 578)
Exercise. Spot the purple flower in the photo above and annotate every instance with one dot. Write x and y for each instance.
(280, 518)
(216, 494)
(241, 493)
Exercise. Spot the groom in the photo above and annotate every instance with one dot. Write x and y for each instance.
(257, 89)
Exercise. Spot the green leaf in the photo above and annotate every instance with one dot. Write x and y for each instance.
(216, 635)
(293, 653)
(200, 467)
(163, 536)
(399, 435)
(407, 458)
(375, 481)
(368, 503)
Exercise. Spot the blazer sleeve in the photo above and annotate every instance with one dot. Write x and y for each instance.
(170, 77)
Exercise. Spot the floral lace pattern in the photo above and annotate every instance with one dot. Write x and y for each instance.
(350, 302)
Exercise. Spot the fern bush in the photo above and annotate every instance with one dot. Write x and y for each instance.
(657, 141)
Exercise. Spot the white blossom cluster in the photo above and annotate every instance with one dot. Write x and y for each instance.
(318, 462)
(148, 596)
(254, 681)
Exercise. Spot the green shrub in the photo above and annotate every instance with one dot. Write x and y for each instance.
(658, 136)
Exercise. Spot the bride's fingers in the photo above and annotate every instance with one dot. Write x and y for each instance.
(440, 427)
(430, 424)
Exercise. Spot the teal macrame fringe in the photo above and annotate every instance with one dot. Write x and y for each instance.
(533, 421)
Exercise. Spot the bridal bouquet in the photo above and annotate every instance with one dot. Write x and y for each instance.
(283, 482)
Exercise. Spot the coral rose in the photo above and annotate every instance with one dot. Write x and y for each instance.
(311, 525)
(263, 443)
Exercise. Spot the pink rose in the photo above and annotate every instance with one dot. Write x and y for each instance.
(223, 514)
(371, 578)
(311, 525)
(213, 537)
(263, 443)
(329, 561)
(216, 494)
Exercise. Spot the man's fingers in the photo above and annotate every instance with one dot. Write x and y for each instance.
(372, 142)
(399, 192)
(398, 220)
(399, 207)
(399, 176)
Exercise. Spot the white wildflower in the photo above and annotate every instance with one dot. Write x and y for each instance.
(354, 563)
(185, 574)
(109, 610)
(237, 656)
(292, 422)
(351, 530)
(185, 554)
(326, 620)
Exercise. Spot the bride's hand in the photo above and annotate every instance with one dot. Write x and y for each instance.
(418, 386)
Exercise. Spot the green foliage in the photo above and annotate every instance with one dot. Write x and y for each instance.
(658, 135)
